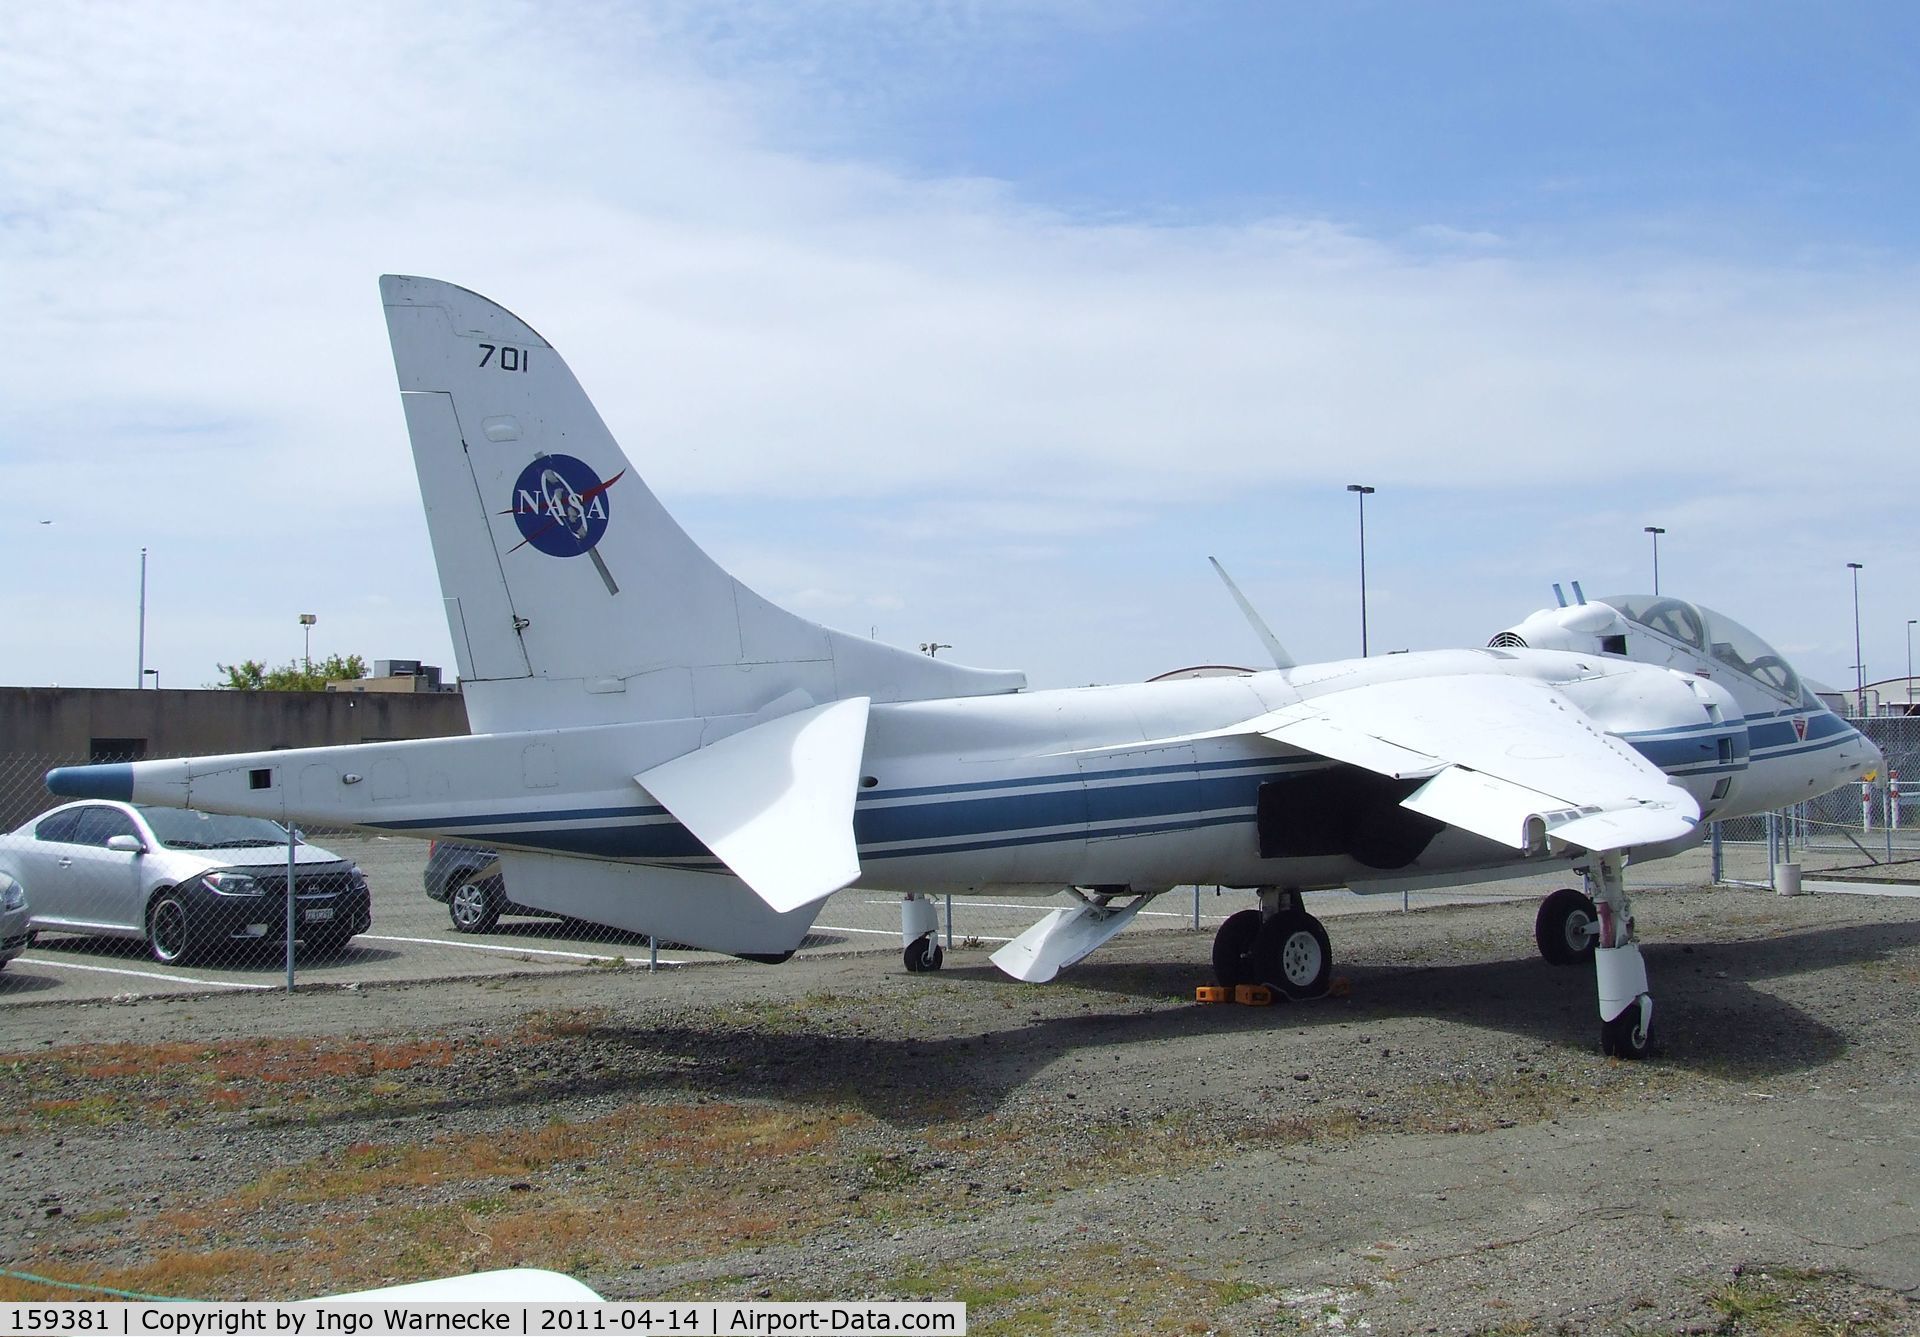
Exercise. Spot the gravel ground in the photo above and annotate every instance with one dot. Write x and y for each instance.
(1438, 1147)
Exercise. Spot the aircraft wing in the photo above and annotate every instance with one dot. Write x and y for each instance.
(1506, 758)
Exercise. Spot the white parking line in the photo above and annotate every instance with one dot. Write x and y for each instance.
(141, 974)
(512, 951)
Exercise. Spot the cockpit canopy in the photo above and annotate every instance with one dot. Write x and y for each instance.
(1657, 630)
(1712, 634)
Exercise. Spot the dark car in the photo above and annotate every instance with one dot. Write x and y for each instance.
(467, 878)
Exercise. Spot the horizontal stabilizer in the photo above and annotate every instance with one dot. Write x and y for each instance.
(706, 910)
(1063, 937)
(775, 802)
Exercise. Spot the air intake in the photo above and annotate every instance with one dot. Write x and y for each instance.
(1507, 640)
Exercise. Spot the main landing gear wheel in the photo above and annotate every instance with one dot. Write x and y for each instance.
(1232, 941)
(1294, 955)
(1287, 949)
(1567, 927)
(924, 954)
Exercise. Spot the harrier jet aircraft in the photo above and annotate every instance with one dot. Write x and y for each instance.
(658, 748)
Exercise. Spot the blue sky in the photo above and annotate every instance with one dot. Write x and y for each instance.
(982, 323)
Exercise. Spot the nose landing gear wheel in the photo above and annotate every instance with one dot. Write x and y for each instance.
(1626, 1036)
(1566, 928)
(924, 954)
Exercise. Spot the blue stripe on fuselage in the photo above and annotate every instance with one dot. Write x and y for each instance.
(1057, 806)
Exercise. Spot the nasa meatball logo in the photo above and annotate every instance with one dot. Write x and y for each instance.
(560, 506)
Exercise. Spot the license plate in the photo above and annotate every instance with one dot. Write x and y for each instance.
(319, 916)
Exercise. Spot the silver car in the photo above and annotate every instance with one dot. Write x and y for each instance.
(186, 882)
(15, 931)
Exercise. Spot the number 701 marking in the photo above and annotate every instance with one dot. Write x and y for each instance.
(510, 359)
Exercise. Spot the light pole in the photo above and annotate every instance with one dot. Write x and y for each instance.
(306, 624)
(141, 679)
(1859, 661)
(1361, 492)
(1910, 622)
(1656, 531)
(151, 673)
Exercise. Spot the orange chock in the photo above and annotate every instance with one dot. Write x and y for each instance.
(1253, 995)
(1212, 993)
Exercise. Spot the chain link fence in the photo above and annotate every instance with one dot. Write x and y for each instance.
(189, 902)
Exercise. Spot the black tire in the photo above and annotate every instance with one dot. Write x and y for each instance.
(1623, 1037)
(170, 936)
(924, 954)
(1561, 928)
(473, 905)
(1293, 955)
(1231, 943)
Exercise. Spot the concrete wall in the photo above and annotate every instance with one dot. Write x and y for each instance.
(42, 727)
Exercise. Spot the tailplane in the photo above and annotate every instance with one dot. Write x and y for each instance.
(572, 596)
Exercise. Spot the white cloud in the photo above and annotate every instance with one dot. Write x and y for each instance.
(197, 199)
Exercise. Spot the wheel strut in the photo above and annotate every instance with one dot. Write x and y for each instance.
(1620, 974)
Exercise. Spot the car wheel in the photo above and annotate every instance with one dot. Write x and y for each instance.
(169, 929)
(473, 906)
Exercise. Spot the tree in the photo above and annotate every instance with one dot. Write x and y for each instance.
(294, 676)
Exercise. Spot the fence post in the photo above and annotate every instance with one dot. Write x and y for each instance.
(291, 841)
(1719, 856)
(1196, 906)
(949, 921)
(1866, 805)
(1773, 847)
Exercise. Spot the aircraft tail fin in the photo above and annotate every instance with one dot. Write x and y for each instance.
(572, 596)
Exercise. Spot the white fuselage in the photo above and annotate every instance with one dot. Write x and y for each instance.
(1034, 791)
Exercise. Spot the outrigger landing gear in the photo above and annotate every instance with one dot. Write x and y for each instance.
(1626, 1008)
(1278, 944)
(920, 933)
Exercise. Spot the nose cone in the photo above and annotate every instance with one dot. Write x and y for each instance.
(1872, 760)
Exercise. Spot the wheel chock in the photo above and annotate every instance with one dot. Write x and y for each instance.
(1212, 993)
(1253, 995)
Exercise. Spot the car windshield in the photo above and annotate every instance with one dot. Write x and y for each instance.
(184, 829)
